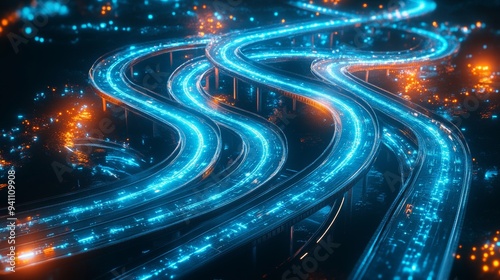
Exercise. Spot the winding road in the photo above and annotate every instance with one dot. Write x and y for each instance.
(436, 165)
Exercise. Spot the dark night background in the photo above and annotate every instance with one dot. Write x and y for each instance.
(47, 67)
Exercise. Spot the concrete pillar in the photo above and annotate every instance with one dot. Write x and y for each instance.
(312, 41)
(216, 79)
(367, 74)
(387, 72)
(235, 89)
(171, 58)
(207, 83)
(291, 240)
(331, 40)
(294, 104)
(104, 105)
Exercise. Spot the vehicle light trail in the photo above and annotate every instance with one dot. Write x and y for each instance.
(266, 159)
(438, 170)
(339, 169)
(200, 147)
(226, 54)
(439, 191)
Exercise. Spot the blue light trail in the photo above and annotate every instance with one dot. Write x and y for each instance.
(435, 165)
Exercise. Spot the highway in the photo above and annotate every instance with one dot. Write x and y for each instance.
(226, 53)
(83, 237)
(423, 245)
(196, 133)
(262, 164)
(434, 161)
(355, 144)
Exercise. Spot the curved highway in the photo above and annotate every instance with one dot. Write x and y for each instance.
(227, 54)
(266, 159)
(438, 194)
(436, 169)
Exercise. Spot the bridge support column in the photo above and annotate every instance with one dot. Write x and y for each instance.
(291, 240)
(367, 74)
(312, 41)
(235, 89)
(216, 79)
(294, 104)
(259, 100)
(207, 83)
(387, 72)
(104, 105)
(331, 40)
(171, 54)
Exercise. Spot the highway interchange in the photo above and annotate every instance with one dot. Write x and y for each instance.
(437, 167)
